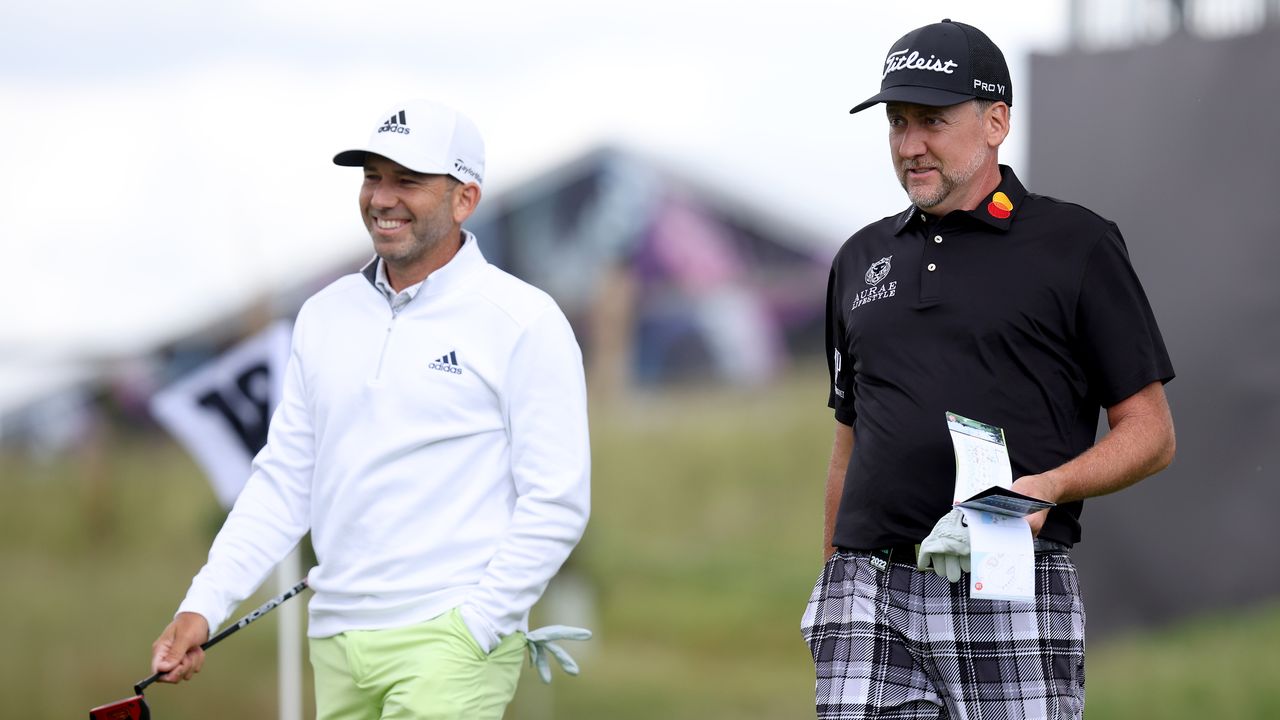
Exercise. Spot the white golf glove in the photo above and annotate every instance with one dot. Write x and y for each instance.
(947, 547)
(541, 645)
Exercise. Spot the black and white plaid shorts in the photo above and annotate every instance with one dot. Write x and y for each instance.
(903, 643)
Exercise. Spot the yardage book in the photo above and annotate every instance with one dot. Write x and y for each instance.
(1002, 552)
(1004, 501)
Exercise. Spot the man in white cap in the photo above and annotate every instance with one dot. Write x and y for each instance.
(432, 437)
(1011, 308)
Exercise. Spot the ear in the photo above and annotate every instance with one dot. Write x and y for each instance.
(465, 199)
(995, 123)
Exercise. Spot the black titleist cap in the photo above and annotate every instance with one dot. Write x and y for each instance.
(943, 64)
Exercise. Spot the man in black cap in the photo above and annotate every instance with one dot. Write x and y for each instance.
(1000, 305)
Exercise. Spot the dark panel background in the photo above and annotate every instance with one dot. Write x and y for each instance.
(1179, 143)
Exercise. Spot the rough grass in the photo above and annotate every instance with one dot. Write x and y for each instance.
(702, 549)
(1225, 666)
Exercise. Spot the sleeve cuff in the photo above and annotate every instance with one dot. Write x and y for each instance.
(212, 617)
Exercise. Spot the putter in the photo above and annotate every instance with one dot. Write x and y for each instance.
(135, 708)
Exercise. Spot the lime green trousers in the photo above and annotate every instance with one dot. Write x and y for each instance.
(430, 671)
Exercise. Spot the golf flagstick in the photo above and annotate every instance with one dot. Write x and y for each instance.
(135, 708)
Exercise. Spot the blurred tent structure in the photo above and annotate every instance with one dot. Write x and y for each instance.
(1162, 120)
(663, 279)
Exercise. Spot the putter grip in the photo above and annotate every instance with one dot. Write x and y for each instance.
(263, 609)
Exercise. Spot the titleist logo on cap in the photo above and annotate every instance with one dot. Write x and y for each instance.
(900, 60)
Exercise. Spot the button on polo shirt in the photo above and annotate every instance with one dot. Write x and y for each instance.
(1027, 315)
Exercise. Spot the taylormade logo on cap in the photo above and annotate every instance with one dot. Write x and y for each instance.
(461, 166)
(425, 137)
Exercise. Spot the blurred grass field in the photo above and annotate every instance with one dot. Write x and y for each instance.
(702, 549)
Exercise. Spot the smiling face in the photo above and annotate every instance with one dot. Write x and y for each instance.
(946, 157)
(415, 220)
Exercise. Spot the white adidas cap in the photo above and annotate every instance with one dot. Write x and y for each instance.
(426, 137)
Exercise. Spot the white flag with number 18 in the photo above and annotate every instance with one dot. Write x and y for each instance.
(221, 410)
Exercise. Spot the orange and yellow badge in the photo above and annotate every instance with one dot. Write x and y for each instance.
(1000, 206)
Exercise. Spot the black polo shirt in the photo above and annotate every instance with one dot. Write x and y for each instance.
(1024, 313)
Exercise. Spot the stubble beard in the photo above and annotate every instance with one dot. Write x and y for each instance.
(930, 197)
(434, 230)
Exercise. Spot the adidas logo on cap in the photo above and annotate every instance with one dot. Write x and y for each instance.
(442, 141)
(396, 123)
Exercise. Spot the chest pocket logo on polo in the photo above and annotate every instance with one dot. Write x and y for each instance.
(879, 270)
(451, 396)
(447, 363)
(875, 276)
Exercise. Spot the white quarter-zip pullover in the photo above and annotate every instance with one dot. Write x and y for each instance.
(437, 453)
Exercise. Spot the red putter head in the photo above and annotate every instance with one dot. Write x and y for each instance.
(134, 708)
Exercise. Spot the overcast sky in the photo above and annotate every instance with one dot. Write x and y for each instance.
(164, 160)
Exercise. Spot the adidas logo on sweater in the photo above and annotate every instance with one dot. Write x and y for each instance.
(396, 123)
(447, 363)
